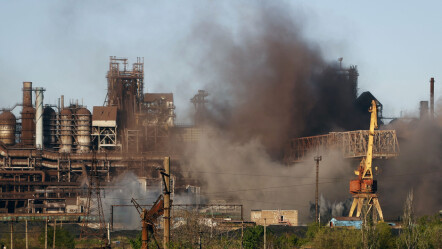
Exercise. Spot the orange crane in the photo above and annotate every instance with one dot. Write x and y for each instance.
(364, 187)
(148, 219)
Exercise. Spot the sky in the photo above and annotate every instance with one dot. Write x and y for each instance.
(64, 46)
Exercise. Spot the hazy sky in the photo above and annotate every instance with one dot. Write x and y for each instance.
(65, 46)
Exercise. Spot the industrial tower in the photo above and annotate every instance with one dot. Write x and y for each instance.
(364, 188)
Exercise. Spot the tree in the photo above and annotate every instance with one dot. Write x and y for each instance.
(136, 243)
(254, 237)
(410, 234)
(286, 241)
(385, 238)
(336, 238)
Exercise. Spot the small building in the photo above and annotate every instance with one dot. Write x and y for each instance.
(275, 217)
(349, 222)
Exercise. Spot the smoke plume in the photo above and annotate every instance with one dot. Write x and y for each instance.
(417, 168)
(269, 84)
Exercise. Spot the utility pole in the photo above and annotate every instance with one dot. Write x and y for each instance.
(265, 233)
(12, 235)
(166, 239)
(108, 233)
(317, 159)
(53, 239)
(26, 233)
(242, 233)
(46, 234)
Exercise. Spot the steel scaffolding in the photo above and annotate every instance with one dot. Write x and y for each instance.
(352, 144)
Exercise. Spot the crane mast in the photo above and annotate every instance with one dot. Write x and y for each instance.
(364, 187)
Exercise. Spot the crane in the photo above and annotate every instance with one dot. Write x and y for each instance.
(148, 219)
(364, 187)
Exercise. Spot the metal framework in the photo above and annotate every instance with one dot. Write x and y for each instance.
(104, 136)
(352, 144)
(217, 212)
(125, 88)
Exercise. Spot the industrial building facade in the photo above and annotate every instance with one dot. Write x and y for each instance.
(275, 217)
(47, 154)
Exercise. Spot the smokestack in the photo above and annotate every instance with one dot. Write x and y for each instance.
(27, 94)
(432, 98)
(62, 102)
(39, 117)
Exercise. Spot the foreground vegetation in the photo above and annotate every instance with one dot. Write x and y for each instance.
(424, 232)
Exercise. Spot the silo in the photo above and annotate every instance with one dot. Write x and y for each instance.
(66, 131)
(49, 127)
(7, 128)
(28, 125)
(83, 118)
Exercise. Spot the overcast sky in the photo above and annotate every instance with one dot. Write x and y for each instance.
(64, 46)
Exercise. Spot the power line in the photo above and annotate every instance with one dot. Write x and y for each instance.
(264, 188)
(257, 175)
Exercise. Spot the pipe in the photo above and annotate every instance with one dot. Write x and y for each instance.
(22, 172)
(39, 117)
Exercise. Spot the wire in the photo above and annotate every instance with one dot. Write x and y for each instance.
(257, 175)
(264, 188)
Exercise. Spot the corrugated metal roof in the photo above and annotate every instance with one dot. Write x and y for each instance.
(104, 113)
(346, 222)
(151, 97)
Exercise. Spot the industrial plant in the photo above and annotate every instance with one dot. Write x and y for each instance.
(59, 160)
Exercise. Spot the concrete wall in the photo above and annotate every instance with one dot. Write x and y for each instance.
(275, 217)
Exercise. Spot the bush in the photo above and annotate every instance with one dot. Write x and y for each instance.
(286, 241)
(337, 238)
(254, 237)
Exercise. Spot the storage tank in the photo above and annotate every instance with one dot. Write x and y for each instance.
(7, 128)
(49, 127)
(28, 125)
(83, 118)
(66, 131)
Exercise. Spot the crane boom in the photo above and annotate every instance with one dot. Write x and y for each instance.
(369, 157)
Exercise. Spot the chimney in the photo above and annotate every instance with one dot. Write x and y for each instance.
(27, 94)
(39, 117)
(432, 98)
